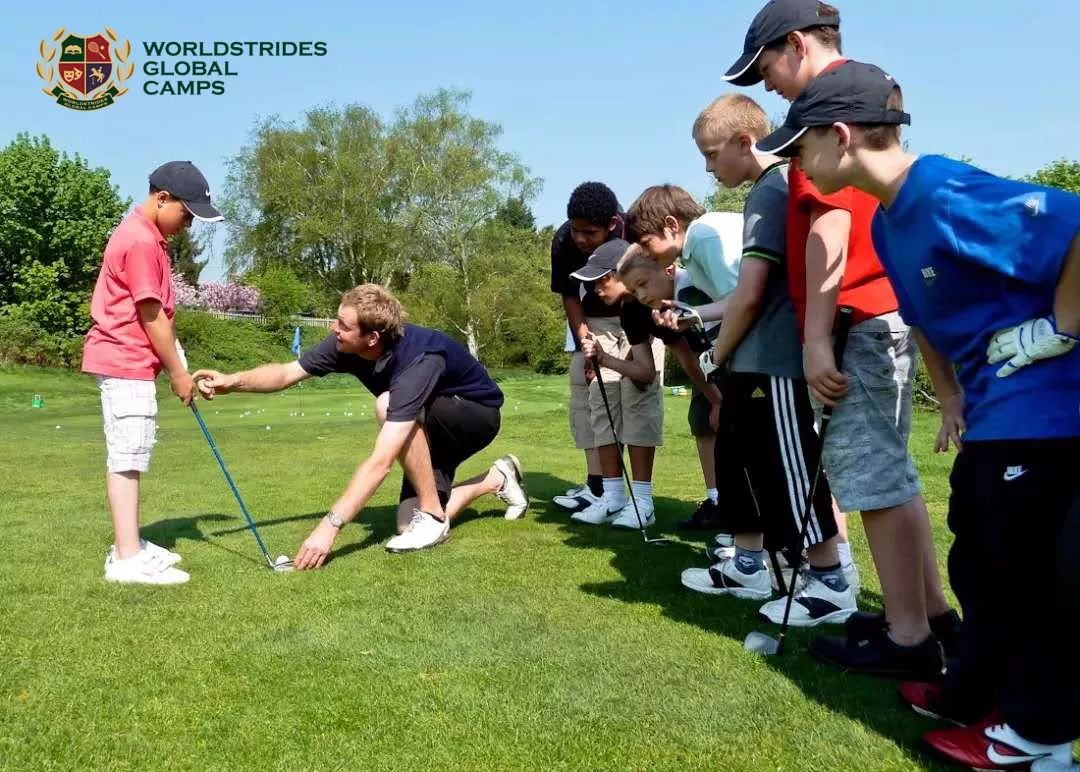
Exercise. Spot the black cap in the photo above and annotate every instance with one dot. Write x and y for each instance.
(183, 180)
(774, 21)
(854, 93)
(602, 261)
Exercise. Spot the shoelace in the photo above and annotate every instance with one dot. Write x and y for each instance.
(417, 519)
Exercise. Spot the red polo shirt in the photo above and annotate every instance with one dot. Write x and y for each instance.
(136, 267)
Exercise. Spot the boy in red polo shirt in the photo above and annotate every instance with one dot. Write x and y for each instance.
(831, 261)
(130, 342)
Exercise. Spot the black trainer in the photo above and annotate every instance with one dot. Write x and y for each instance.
(877, 654)
(705, 518)
(945, 627)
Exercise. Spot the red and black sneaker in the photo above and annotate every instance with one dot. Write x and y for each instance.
(989, 745)
(928, 699)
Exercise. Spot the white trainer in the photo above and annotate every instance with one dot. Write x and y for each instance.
(602, 511)
(575, 499)
(513, 491)
(851, 573)
(143, 567)
(725, 578)
(169, 557)
(627, 517)
(816, 603)
(422, 531)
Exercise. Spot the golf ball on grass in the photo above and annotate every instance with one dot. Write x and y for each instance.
(283, 563)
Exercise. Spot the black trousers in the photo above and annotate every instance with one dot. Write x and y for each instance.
(1015, 513)
(766, 454)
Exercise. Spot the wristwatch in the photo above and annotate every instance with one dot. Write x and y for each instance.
(335, 521)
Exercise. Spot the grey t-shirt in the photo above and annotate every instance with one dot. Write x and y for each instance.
(772, 345)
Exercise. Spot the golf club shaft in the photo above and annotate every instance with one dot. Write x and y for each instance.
(232, 485)
(618, 445)
(843, 327)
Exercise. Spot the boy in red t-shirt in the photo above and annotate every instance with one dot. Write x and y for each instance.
(130, 342)
(832, 262)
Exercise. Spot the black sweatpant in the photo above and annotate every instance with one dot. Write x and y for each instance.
(1015, 513)
(766, 453)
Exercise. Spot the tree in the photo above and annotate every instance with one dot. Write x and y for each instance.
(184, 251)
(515, 213)
(56, 214)
(1059, 174)
(459, 181)
(728, 199)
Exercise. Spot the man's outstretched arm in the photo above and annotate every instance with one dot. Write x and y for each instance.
(263, 379)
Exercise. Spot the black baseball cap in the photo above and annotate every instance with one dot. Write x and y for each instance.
(602, 261)
(183, 180)
(854, 93)
(774, 21)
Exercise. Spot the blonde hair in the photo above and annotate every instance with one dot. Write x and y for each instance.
(646, 215)
(635, 258)
(377, 310)
(728, 117)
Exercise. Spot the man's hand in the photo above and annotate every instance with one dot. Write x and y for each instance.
(827, 384)
(952, 423)
(1029, 342)
(183, 386)
(211, 383)
(316, 546)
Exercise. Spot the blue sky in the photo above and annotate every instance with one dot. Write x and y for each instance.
(583, 90)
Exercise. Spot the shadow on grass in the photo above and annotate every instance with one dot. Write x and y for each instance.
(651, 576)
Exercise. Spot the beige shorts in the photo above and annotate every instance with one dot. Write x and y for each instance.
(638, 413)
(613, 341)
(129, 408)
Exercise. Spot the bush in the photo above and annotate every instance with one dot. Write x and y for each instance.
(24, 343)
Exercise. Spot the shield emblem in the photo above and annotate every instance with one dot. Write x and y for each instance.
(85, 62)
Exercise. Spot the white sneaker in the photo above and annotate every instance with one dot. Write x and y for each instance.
(627, 517)
(851, 573)
(576, 499)
(169, 558)
(725, 578)
(143, 567)
(602, 511)
(422, 531)
(815, 604)
(513, 491)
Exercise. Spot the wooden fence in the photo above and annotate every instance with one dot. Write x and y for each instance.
(306, 321)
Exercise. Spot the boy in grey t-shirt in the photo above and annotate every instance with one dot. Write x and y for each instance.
(770, 448)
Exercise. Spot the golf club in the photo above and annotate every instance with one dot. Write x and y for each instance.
(622, 462)
(282, 564)
(760, 642)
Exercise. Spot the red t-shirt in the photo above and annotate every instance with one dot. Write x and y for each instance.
(136, 267)
(864, 287)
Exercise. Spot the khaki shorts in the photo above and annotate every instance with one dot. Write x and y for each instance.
(866, 445)
(638, 413)
(129, 408)
(613, 341)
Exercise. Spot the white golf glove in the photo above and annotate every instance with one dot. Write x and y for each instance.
(1028, 342)
(705, 359)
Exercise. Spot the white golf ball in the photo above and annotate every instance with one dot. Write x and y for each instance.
(57, 426)
(267, 428)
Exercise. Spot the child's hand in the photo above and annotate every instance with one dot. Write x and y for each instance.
(952, 423)
(590, 348)
(1025, 343)
(183, 386)
(827, 384)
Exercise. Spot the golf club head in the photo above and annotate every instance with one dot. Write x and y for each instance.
(759, 643)
(658, 540)
(283, 564)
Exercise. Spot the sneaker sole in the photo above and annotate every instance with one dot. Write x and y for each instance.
(735, 592)
(834, 618)
(634, 525)
(932, 714)
(520, 475)
(400, 551)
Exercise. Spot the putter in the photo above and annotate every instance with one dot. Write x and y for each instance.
(282, 564)
(760, 642)
(622, 462)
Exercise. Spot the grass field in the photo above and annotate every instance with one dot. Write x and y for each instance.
(529, 644)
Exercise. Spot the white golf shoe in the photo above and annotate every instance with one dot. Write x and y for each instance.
(513, 491)
(143, 567)
(604, 510)
(422, 531)
(815, 603)
(725, 578)
(167, 556)
(627, 517)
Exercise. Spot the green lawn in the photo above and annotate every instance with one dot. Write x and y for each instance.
(528, 644)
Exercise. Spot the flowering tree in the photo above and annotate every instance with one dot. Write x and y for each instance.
(227, 296)
(185, 294)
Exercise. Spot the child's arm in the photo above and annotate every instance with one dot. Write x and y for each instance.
(826, 260)
(639, 367)
(742, 307)
(159, 330)
(575, 316)
(949, 392)
(688, 360)
(1044, 337)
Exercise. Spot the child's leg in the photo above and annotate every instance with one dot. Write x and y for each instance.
(897, 537)
(123, 489)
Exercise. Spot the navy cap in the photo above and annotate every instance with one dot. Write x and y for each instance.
(774, 21)
(604, 260)
(183, 180)
(853, 93)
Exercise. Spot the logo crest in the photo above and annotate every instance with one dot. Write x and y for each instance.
(89, 72)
